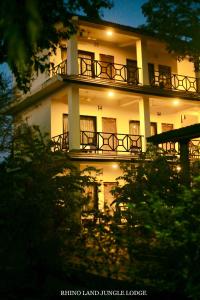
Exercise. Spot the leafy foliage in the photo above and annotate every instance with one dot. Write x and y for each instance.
(41, 197)
(31, 29)
(177, 23)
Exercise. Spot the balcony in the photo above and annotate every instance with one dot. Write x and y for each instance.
(105, 143)
(106, 71)
(101, 143)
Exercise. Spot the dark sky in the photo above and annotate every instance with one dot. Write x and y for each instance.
(126, 12)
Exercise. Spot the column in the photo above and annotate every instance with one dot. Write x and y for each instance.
(74, 118)
(72, 55)
(145, 128)
(142, 62)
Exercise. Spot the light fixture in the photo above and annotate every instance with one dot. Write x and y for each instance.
(114, 166)
(109, 33)
(110, 94)
(178, 168)
(176, 102)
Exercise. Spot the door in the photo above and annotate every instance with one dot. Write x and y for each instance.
(132, 71)
(86, 63)
(164, 76)
(169, 146)
(109, 134)
(107, 66)
(151, 71)
(88, 132)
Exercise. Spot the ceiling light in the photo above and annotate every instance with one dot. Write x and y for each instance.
(176, 102)
(109, 33)
(110, 94)
(114, 166)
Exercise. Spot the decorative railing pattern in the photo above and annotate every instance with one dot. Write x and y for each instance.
(60, 69)
(106, 70)
(101, 142)
(174, 82)
(114, 142)
(172, 149)
(194, 149)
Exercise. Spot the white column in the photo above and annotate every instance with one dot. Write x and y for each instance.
(74, 118)
(142, 62)
(145, 128)
(72, 55)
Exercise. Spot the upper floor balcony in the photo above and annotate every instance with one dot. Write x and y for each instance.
(129, 75)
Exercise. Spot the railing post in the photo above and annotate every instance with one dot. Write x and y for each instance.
(142, 61)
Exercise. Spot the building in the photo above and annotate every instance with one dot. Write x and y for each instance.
(108, 89)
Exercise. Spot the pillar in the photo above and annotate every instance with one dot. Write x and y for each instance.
(142, 62)
(74, 118)
(72, 55)
(145, 128)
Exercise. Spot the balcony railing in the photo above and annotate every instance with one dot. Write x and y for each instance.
(172, 149)
(101, 142)
(92, 68)
(107, 70)
(172, 81)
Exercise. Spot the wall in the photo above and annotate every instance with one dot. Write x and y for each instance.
(39, 114)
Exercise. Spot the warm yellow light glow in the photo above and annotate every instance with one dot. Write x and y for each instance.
(176, 102)
(178, 168)
(109, 33)
(110, 94)
(114, 166)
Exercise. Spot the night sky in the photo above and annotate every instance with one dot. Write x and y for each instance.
(126, 12)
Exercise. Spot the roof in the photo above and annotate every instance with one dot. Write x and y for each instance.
(136, 30)
(185, 133)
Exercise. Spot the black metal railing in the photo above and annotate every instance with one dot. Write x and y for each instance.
(174, 82)
(107, 70)
(169, 149)
(113, 142)
(60, 142)
(93, 68)
(172, 149)
(60, 69)
(100, 142)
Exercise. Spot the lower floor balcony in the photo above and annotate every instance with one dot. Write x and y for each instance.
(106, 143)
(101, 143)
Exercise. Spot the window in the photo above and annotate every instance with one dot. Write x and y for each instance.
(164, 76)
(63, 51)
(132, 71)
(65, 123)
(86, 63)
(169, 146)
(167, 127)
(91, 192)
(107, 66)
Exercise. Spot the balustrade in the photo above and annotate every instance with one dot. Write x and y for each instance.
(93, 68)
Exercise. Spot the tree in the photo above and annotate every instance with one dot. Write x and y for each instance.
(41, 196)
(29, 27)
(161, 228)
(178, 24)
